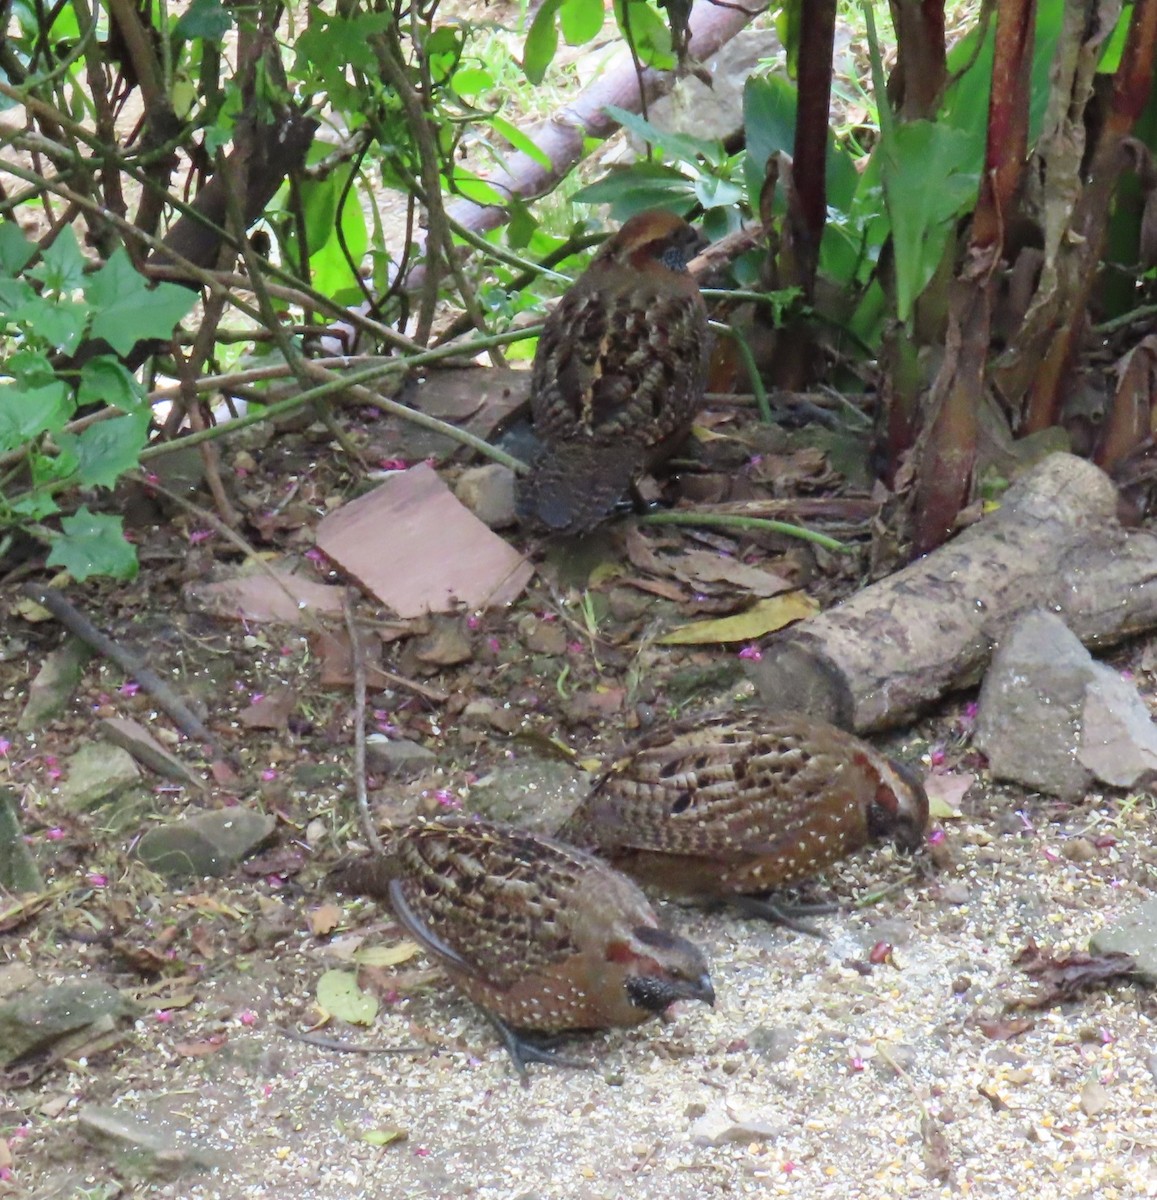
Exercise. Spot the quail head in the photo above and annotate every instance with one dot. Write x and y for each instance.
(618, 375)
(543, 937)
(735, 805)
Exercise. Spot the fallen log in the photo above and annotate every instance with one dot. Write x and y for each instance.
(896, 647)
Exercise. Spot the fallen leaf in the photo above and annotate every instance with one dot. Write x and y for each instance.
(325, 919)
(386, 956)
(271, 594)
(339, 995)
(946, 792)
(383, 1137)
(1004, 1030)
(763, 617)
(201, 1049)
(1062, 979)
(271, 711)
(701, 566)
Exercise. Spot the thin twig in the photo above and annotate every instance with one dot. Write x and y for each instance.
(324, 1043)
(726, 521)
(357, 652)
(75, 622)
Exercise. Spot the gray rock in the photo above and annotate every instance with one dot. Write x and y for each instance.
(1133, 933)
(1118, 736)
(136, 739)
(488, 492)
(208, 843)
(399, 758)
(1051, 717)
(55, 684)
(138, 1148)
(536, 793)
(96, 773)
(34, 1020)
(18, 870)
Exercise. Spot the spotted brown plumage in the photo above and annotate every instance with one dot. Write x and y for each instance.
(542, 936)
(618, 375)
(739, 804)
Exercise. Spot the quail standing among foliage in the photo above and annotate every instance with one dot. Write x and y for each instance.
(735, 805)
(542, 936)
(619, 374)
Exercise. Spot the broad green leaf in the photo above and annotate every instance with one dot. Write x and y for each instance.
(471, 81)
(207, 19)
(541, 42)
(926, 189)
(93, 544)
(674, 145)
(61, 266)
(632, 189)
(14, 294)
(104, 380)
(59, 322)
(128, 310)
(712, 192)
(581, 20)
(25, 413)
(520, 141)
(764, 617)
(16, 250)
(338, 993)
(466, 183)
(106, 450)
(30, 368)
(648, 31)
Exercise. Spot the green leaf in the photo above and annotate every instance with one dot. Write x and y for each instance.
(541, 42)
(106, 450)
(384, 1136)
(925, 190)
(30, 368)
(581, 20)
(105, 380)
(338, 993)
(769, 115)
(632, 189)
(93, 544)
(712, 192)
(520, 141)
(16, 250)
(26, 413)
(674, 145)
(14, 294)
(648, 31)
(471, 81)
(128, 311)
(206, 19)
(61, 266)
(59, 322)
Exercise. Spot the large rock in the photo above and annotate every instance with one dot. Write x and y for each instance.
(97, 773)
(34, 1020)
(1050, 717)
(207, 843)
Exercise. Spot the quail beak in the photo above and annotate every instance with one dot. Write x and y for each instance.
(702, 989)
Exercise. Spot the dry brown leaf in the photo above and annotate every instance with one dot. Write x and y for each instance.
(325, 919)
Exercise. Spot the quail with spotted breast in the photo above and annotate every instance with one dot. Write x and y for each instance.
(543, 937)
(736, 805)
(618, 375)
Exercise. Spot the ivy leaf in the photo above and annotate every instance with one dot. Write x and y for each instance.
(209, 20)
(105, 380)
(128, 310)
(338, 993)
(16, 250)
(59, 322)
(93, 544)
(61, 266)
(26, 412)
(106, 450)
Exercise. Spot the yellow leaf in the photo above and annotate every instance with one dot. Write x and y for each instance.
(386, 956)
(764, 617)
(324, 920)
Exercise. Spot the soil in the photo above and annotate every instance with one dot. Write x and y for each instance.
(880, 1059)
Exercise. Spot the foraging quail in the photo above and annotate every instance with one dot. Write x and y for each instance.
(540, 935)
(740, 804)
(618, 375)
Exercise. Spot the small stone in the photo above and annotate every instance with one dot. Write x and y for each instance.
(446, 646)
(1079, 849)
(773, 1042)
(138, 1148)
(1094, 1098)
(961, 984)
(955, 892)
(207, 843)
(399, 758)
(1134, 933)
(140, 743)
(488, 492)
(96, 773)
(697, 1109)
(491, 713)
(543, 637)
(721, 1124)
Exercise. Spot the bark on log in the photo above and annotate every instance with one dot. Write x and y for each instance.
(891, 650)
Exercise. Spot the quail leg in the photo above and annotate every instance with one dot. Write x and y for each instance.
(523, 1051)
(788, 915)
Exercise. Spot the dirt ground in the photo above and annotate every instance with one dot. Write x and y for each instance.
(880, 1060)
